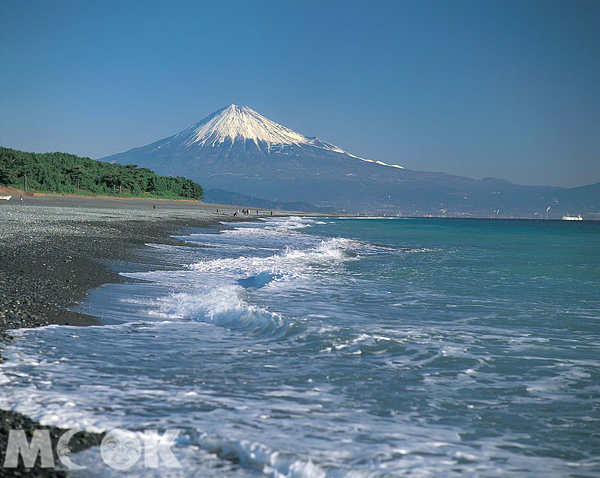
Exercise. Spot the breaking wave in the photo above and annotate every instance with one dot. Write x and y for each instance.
(223, 306)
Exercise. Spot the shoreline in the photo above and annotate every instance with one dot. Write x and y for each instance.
(54, 249)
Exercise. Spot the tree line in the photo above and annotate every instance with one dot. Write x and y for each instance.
(69, 174)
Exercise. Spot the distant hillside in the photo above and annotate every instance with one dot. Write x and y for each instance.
(69, 174)
(220, 196)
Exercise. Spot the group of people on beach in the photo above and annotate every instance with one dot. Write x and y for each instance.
(243, 211)
(238, 212)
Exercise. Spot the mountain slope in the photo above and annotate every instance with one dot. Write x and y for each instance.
(237, 149)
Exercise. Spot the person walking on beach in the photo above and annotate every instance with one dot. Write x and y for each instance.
(21, 198)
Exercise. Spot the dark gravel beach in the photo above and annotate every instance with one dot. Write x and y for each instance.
(53, 249)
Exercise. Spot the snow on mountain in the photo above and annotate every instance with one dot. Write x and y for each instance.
(242, 124)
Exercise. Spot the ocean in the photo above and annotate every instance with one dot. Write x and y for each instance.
(301, 347)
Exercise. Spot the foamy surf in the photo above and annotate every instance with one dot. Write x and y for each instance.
(338, 349)
(216, 291)
(291, 262)
(223, 306)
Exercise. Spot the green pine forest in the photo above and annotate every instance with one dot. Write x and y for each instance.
(69, 174)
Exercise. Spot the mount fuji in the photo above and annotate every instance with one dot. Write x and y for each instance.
(236, 149)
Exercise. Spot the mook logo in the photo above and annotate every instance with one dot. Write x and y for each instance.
(120, 449)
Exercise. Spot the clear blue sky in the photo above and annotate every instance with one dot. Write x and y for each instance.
(509, 89)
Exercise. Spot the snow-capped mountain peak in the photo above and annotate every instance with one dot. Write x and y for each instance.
(242, 126)
(240, 123)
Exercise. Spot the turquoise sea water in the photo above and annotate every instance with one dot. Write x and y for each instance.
(347, 347)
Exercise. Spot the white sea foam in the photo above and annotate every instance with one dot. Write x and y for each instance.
(290, 262)
(214, 290)
(255, 455)
(290, 226)
(222, 306)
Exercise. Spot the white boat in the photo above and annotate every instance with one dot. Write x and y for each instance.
(6, 198)
(572, 218)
